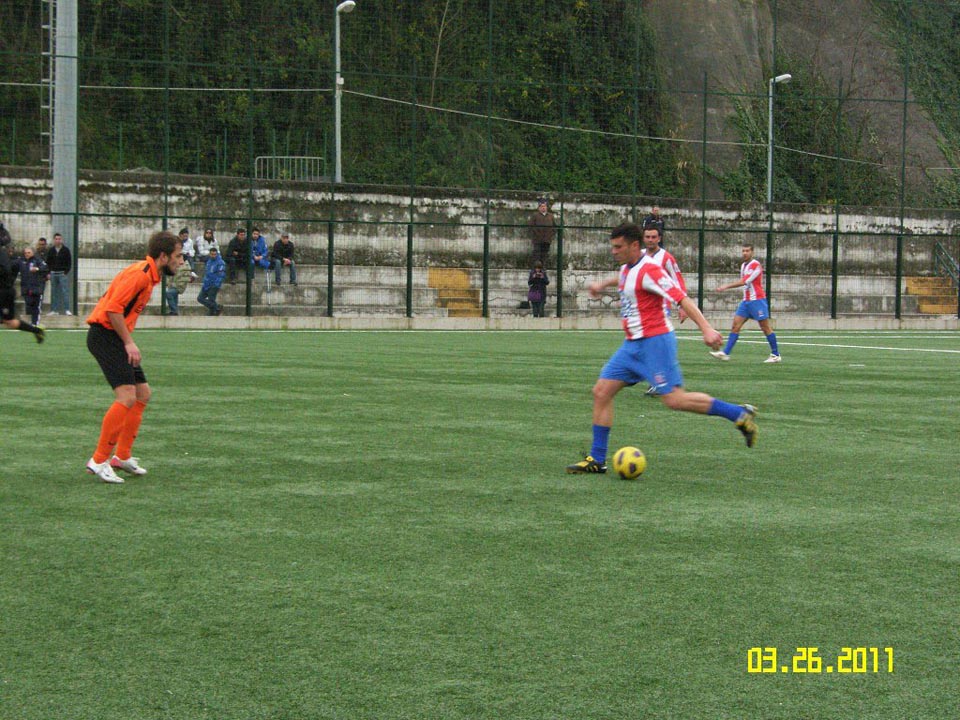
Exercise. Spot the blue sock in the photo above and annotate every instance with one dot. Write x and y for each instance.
(599, 450)
(772, 339)
(728, 410)
(731, 341)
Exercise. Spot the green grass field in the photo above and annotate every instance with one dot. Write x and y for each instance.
(378, 525)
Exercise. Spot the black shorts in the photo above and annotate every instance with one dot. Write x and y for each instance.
(8, 297)
(107, 347)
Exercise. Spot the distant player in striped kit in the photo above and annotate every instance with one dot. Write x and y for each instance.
(753, 307)
(650, 349)
(655, 253)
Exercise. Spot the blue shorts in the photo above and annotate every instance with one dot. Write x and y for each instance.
(653, 359)
(753, 310)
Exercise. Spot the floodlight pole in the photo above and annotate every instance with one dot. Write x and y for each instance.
(344, 7)
(785, 78)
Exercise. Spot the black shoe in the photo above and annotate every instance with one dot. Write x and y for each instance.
(747, 424)
(586, 466)
(40, 334)
(219, 309)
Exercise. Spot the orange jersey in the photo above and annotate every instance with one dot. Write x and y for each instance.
(127, 295)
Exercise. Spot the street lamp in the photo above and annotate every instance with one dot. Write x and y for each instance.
(785, 78)
(344, 7)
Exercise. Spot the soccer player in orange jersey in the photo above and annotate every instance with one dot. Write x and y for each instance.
(110, 341)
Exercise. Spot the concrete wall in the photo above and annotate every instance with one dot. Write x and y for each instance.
(119, 210)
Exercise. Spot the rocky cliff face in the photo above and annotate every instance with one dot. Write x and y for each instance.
(732, 40)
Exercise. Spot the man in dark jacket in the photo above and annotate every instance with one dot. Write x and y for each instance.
(238, 255)
(33, 276)
(59, 265)
(654, 220)
(542, 231)
(8, 274)
(283, 257)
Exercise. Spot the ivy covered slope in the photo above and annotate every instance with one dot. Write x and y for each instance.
(545, 71)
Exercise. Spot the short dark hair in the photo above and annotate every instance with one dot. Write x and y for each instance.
(628, 230)
(747, 245)
(162, 241)
(652, 226)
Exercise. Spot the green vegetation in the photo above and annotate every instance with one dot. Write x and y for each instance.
(926, 36)
(811, 116)
(542, 70)
(377, 525)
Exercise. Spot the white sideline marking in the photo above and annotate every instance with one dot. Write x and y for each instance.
(843, 346)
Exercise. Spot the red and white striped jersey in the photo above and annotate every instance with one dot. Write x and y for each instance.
(643, 288)
(669, 263)
(752, 275)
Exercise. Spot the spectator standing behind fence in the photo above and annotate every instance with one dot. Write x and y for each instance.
(655, 220)
(537, 294)
(41, 252)
(59, 264)
(189, 254)
(238, 253)
(283, 257)
(8, 295)
(176, 285)
(542, 231)
(33, 272)
(214, 272)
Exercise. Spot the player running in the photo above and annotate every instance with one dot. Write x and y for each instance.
(754, 306)
(650, 349)
(110, 341)
(8, 291)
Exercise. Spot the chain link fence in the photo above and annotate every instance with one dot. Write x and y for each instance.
(455, 117)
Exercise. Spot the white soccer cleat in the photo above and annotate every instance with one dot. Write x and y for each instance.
(719, 355)
(103, 471)
(129, 465)
(773, 359)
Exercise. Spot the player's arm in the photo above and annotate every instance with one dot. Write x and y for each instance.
(711, 337)
(730, 286)
(742, 281)
(597, 288)
(678, 278)
(120, 328)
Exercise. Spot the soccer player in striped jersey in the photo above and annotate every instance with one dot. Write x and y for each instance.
(753, 306)
(110, 341)
(650, 349)
(655, 253)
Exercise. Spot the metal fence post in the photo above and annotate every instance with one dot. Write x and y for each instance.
(409, 292)
(330, 266)
(835, 249)
(701, 236)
